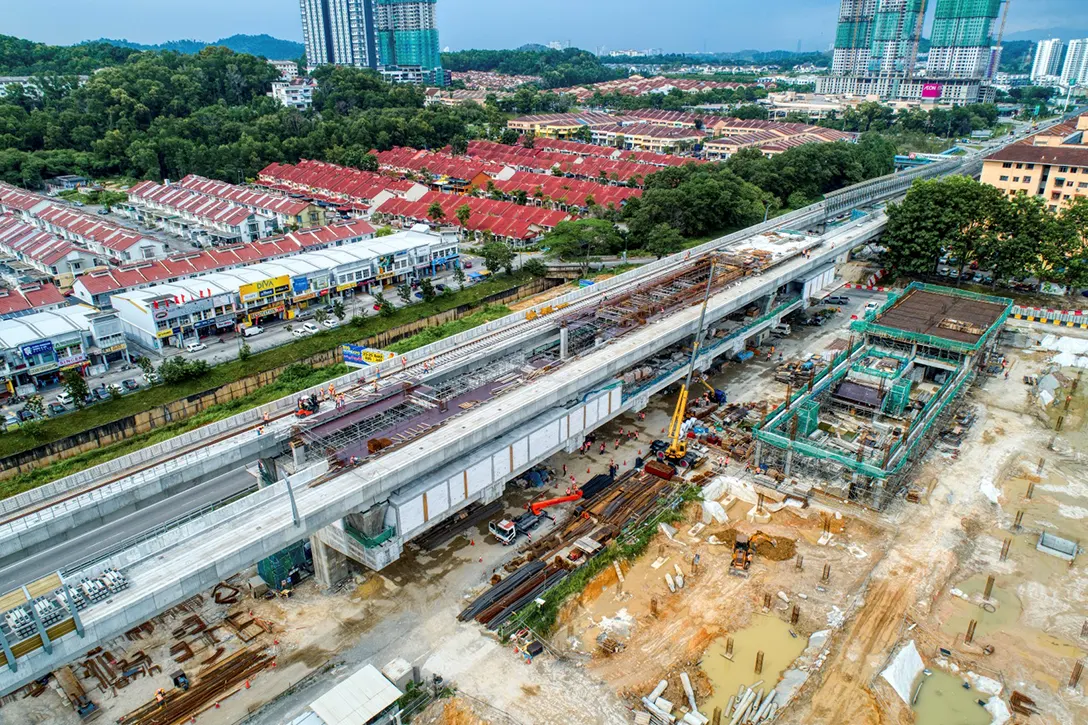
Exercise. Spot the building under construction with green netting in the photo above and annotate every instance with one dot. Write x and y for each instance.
(857, 430)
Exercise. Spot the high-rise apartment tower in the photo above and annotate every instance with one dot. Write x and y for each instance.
(1048, 58)
(962, 39)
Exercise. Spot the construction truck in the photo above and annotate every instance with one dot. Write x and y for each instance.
(507, 531)
(744, 549)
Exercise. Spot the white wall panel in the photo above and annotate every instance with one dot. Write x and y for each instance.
(411, 514)
(479, 476)
(574, 422)
(457, 488)
(521, 452)
(543, 439)
(592, 417)
(500, 464)
(438, 500)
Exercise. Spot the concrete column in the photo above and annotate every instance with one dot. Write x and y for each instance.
(789, 462)
(564, 336)
(298, 454)
(330, 566)
(768, 304)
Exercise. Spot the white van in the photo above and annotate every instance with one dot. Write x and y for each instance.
(781, 330)
(252, 330)
(64, 398)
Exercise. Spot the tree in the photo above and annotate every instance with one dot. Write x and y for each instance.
(245, 352)
(145, 365)
(76, 387)
(463, 214)
(385, 307)
(521, 197)
(36, 406)
(383, 232)
(509, 137)
(435, 212)
(535, 267)
(583, 134)
(498, 256)
(405, 293)
(578, 241)
(459, 145)
(369, 162)
(528, 141)
(663, 241)
(338, 310)
(178, 369)
(459, 277)
(426, 289)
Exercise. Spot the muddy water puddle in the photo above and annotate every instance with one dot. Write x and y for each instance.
(942, 700)
(767, 634)
(1000, 610)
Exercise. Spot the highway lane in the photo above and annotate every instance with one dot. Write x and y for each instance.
(102, 538)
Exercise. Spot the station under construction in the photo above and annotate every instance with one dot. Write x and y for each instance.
(856, 429)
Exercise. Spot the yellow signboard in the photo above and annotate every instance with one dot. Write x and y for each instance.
(265, 286)
(374, 357)
(164, 333)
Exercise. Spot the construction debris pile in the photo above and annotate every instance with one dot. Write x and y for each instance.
(800, 372)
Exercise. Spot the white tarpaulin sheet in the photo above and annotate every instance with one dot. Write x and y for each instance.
(1057, 343)
(903, 671)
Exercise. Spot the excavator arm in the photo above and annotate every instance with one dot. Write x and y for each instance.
(537, 506)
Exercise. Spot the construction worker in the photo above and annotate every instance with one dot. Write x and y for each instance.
(265, 416)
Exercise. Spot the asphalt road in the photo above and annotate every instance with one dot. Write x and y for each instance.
(113, 532)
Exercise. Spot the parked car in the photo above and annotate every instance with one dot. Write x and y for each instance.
(252, 330)
(418, 295)
(299, 332)
(25, 415)
(329, 322)
(102, 212)
(130, 384)
(440, 287)
(11, 421)
(100, 393)
(467, 265)
(115, 388)
(837, 300)
(64, 398)
(311, 328)
(151, 378)
(57, 409)
(195, 347)
(377, 307)
(872, 306)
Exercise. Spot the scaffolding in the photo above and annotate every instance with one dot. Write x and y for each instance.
(898, 398)
(276, 570)
(808, 418)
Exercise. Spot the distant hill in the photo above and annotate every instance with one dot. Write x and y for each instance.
(263, 45)
(534, 48)
(1038, 34)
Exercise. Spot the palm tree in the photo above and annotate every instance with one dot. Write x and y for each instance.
(435, 212)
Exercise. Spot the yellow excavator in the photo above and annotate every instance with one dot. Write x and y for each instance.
(678, 442)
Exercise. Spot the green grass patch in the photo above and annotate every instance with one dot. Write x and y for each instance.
(54, 429)
(293, 380)
(104, 198)
(446, 329)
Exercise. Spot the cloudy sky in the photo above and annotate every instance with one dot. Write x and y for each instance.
(675, 25)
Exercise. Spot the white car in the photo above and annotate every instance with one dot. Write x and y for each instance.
(872, 306)
(329, 322)
(195, 347)
(310, 328)
(299, 332)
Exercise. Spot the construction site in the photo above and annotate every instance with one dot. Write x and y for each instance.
(730, 487)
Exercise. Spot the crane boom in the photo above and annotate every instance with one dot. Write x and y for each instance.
(678, 446)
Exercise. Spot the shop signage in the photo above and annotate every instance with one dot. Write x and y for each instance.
(224, 321)
(164, 333)
(263, 288)
(72, 361)
(114, 348)
(204, 323)
(299, 285)
(38, 348)
(347, 286)
(161, 315)
(44, 368)
(305, 296)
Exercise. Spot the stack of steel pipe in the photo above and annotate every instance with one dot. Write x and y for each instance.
(500, 590)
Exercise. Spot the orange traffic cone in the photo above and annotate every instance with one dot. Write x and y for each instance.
(472, 542)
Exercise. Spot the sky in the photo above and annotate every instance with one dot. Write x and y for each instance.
(672, 25)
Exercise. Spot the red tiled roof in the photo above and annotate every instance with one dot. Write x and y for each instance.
(84, 225)
(29, 297)
(269, 204)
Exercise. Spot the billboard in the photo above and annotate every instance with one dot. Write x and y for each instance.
(38, 348)
(264, 288)
(299, 285)
(931, 90)
(358, 356)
